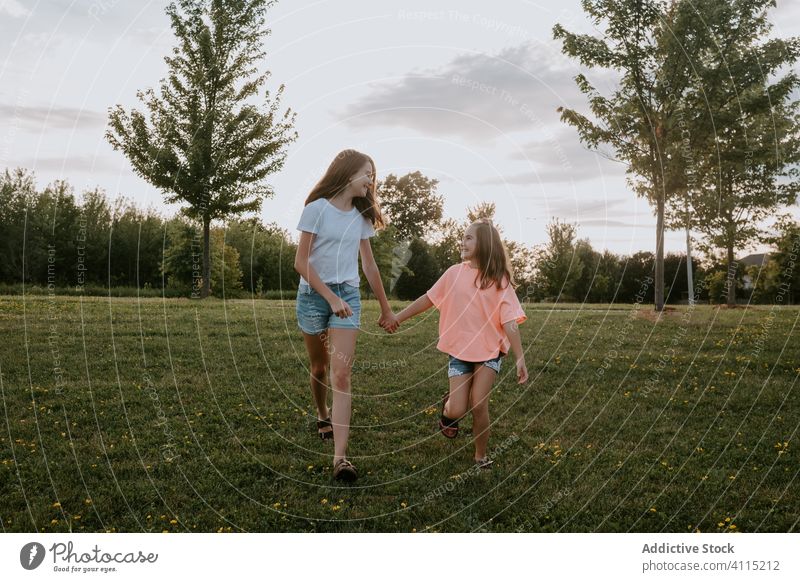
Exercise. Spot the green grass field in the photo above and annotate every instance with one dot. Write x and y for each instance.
(173, 415)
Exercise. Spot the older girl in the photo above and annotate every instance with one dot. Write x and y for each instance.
(341, 214)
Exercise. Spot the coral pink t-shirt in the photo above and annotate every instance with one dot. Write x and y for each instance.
(470, 318)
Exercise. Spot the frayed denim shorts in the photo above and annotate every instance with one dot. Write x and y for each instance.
(458, 367)
(314, 314)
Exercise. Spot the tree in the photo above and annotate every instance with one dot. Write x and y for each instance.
(411, 203)
(421, 272)
(446, 250)
(785, 287)
(96, 223)
(226, 272)
(585, 286)
(480, 210)
(636, 279)
(607, 277)
(51, 236)
(558, 267)
(17, 193)
(181, 267)
(134, 247)
(266, 255)
(391, 255)
(522, 263)
(205, 142)
(634, 119)
(742, 123)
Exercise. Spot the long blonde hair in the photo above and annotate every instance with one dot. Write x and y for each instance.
(337, 178)
(494, 265)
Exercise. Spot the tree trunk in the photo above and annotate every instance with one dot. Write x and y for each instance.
(206, 258)
(730, 280)
(659, 266)
(689, 278)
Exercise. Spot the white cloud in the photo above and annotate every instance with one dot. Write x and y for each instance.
(476, 96)
(39, 118)
(13, 9)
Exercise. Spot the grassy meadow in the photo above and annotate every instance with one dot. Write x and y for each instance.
(174, 415)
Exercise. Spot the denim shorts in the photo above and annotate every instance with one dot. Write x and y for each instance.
(458, 367)
(314, 314)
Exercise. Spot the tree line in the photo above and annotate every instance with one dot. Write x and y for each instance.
(53, 239)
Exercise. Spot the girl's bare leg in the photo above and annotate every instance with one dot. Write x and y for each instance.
(482, 380)
(342, 349)
(458, 402)
(318, 356)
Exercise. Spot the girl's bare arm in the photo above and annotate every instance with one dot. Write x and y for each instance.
(373, 275)
(420, 305)
(512, 331)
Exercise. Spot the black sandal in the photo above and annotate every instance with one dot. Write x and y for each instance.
(328, 434)
(447, 426)
(344, 470)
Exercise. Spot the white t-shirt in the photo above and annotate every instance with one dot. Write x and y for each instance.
(334, 252)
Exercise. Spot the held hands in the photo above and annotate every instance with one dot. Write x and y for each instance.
(522, 371)
(388, 321)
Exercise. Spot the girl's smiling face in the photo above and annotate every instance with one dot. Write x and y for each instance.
(361, 182)
(469, 244)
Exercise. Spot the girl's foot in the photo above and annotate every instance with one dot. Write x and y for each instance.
(484, 463)
(447, 426)
(325, 429)
(343, 470)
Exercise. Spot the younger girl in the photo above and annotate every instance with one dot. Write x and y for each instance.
(340, 215)
(479, 313)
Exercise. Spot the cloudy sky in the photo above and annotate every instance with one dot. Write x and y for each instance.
(466, 92)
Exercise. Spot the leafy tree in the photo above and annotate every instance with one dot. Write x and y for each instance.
(607, 277)
(94, 233)
(582, 287)
(785, 262)
(17, 193)
(447, 249)
(226, 272)
(135, 246)
(181, 264)
(391, 255)
(633, 120)
(411, 203)
(742, 119)
(50, 244)
(522, 262)
(480, 210)
(205, 141)
(636, 279)
(266, 255)
(422, 272)
(558, 268)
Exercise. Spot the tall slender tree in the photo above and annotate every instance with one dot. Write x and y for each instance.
(633, 120)
(741, 119)
(210, 138)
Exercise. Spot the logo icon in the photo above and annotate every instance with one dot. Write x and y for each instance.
(31, 555)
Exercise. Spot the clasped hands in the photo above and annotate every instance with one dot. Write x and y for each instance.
(388, 321)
